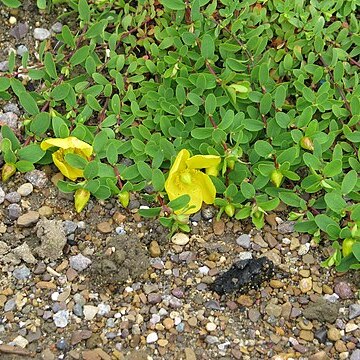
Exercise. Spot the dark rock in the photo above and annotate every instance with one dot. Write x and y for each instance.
(243, 276)
(322, 310)
(19, 31)
(321, 335)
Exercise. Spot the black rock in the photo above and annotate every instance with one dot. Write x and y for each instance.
(321, 335)
(244, 275)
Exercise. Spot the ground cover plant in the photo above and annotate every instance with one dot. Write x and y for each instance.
(270, 88)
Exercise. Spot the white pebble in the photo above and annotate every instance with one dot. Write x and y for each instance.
(90, 311)
(20, 341)
(180, 239)
(12, 20)
(151, 338)
(210, 326)
(25, 189)
(55, 296)
(61, 318)
(41, 34)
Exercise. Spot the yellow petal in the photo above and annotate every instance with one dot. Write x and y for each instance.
(67, 170)
(81, 198)
(203, 161)
(67, 143)
(180, 161)
(206, 186)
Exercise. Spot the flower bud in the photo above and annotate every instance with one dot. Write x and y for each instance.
(276, 178)
(306, 143)
(8, 171)
(230, 210)
(124, 198)
(213, 171)
(258, 214)
(230, 163)
(81, 197)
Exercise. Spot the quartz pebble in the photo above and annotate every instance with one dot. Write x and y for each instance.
(41, 34)
(25, 189)
(243, 241)
(151, 338)
(180, 239)
(61, 318)
(2, 195)
(90, 311)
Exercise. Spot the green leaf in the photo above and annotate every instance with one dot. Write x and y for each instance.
(84, 11)
(207, 47)
(7, 133)
(263, 148)
(333, 168)
(103, 192)
(247, 190)
(11, 3)
(40, 124)
(60, 128)
(91, 170)
(149, 213)
(80, 55)
(210, 104)
(75, 161)
(174, 4)
(50, 65)
(41, 4)
(349, 182)
(158, 180)
(324, 222)
(292, 199)
(4, 83)
(28, 103)
(179, 203)
(24, 166)
(60, 92)
(31, 153)
(335, 202)
(112, 154)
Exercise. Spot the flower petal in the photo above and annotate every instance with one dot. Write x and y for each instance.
(180, 161)
(207, 187)
(68, 171)
(67, 143)
(203, 161)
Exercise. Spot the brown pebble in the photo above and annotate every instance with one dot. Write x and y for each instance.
(28, 219)
(189, 354)
(321, 355)
(276, 284)
(306, 335)
(104, 227)
(245, 300)
(154, 249)
(71, 274)
(45, 211)
(334, 334)
(340, 346)
(218, 227)
(45, 285)
(119, 218)
(168, 323)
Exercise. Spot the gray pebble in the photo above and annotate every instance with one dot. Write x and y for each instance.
(13, 197)
(37, 178)
(154, 298)
(196, 217)
(69, 227)
(355, 355)
(41, 34)
(25, 189)
(9, 305)
(79, 299)
(210, 339)
(79, 262)
(243, 241)
(61, 318)
(21, 50)
(213, 305)
(208, 212)
(321, 335)
(244, 255)
(11, 107)
(57, 27)
(2, 195)
(21, 273)
(62, 344)
(14, 211)
(110, 323)
(104, 309)
(4, 66)
(354, 311)
(286, 227)
(10, 119)
(134, 204)
(78, 310)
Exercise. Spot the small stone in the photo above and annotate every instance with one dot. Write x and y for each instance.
(210, 339)
(4, 248)
(210, 326)
(37, 178)
(354, 311)
(208, 212)
(79, 262)
(90, 311)
(14, 211)
(162, 342)
(103, 309)
(286, 227)
(62, 345)
(21, 273)
(189, 354)
(28, 219)
(13, 197)
(341, 347)
(151, 338)
(11, 107)
(9, 305)
(273, 310)
(168, 323)
(180, 239)
(303, 249)
(306, 335)
(4, 66)
(2, 195)
(321, 335)
(245, 300)
(244, 241)
(20, 341)
(260, 241)
(25, 189)
(270, 239)
(79, 335)
(154, 298)
(69, 227)
(104, 227)
(344, 291)
(21, 50)
(154, 249)
(254, 315)
(276, 284)
(61, 318)
(45, 211)
(355, 355)
(333, 334)
(218, 227)
(305, 285)
(321, 355)
(23, 252)
(57, 27)
(322, 310)
(41, 34)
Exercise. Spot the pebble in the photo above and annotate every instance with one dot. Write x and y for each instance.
(344, 291)
(28, 219)
(9, 305)
(62, 344)
(333, 334)
(10, 119)
(286, 227)
(355, 355)
(20, 341)
(103, 309)
(57, 27)
(305, 284)
(254, 315)
(14, 211)
(208, 212)
(41, 34)
(218, 227)
(273, 310)
(180, 239)
(13, 197)
(21, 273)
(154, 249)
(69, 227)
(25, 189)
(210, 339)
(189, 354)
(21, 50)
(79, 262)
(4, 66)
(104, 227)
(61, 318)
(90, 311)
(2, 195)
(210, 326)
(151, 338)
(244, 241)
(37, 178)
(321, 335)
(11, 107)
(45, 211)
(4, 248)
(354, 311)
(24, 253)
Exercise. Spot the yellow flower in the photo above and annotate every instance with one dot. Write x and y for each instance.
(81, 197)
(185, 178)
(68, 145)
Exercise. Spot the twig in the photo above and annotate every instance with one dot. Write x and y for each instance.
(16, 350)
